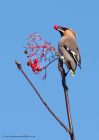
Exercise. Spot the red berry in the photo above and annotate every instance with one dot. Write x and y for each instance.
(29, 63)
(33, 65)
(55, 27)
(38, 69)
(35, 60)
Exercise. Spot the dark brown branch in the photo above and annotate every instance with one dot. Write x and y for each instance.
(42, 100)
(63, 75)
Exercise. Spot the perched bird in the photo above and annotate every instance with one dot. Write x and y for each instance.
(68, 49)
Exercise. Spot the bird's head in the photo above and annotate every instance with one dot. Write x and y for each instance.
(64, 31)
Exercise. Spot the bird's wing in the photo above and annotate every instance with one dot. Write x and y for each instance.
(72, 48)
(75, 55)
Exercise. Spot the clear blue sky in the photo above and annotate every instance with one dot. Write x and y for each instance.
(21, 112)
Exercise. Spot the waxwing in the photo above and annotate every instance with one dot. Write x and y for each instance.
(68, 49)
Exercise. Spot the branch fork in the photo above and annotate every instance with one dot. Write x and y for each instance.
(65, 87)
(19, 66)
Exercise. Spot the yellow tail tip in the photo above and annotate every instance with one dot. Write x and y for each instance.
(72, 73)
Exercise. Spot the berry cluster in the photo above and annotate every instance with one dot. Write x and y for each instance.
(40, 53)
(34, 65)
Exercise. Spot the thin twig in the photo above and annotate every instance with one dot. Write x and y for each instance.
(65, 87)
(40, 97)
(50, 63)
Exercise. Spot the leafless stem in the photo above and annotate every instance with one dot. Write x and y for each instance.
(40, 97)
(50, 63)
(65, 87)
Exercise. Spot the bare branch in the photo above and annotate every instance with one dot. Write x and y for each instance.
(40, 97)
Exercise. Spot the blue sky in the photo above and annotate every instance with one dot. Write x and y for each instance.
(21, 112)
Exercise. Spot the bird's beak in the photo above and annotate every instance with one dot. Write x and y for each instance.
(58, 28)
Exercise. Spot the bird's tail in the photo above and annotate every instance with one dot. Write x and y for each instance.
(72, 73)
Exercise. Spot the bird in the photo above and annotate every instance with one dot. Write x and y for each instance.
(68, 49)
